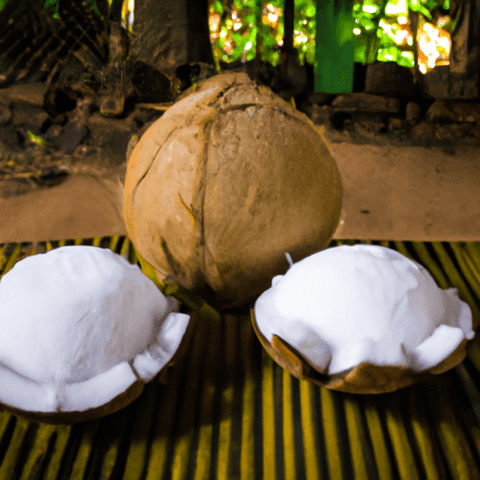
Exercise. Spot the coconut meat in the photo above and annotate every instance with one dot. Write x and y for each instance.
(363, 303)
(78, 326)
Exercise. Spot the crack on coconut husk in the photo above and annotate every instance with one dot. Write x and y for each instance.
(198, 209)
(152, 161)
(298, 249)
(175, 266)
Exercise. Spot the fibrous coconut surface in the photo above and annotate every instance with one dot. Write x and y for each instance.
(352, 304)
(225, 182)
(79, 326)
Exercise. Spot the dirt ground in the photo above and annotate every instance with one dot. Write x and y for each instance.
(390, 193)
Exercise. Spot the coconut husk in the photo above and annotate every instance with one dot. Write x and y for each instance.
(223, 184)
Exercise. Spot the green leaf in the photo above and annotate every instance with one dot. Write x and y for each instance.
(310, 11)
(417, 6)
(406, 59)
(36, 139)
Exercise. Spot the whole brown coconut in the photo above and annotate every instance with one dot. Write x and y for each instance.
(226, 182)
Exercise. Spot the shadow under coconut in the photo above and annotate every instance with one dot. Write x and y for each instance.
(204, 392)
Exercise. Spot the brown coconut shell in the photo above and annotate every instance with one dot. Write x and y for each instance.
(365, 378)
(223, 184)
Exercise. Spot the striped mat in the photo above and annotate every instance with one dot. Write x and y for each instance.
(228, 411)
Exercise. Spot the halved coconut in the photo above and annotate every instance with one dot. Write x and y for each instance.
(81, 331)
(361, 319)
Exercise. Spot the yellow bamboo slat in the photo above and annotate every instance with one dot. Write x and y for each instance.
(356, 438)
(268, 417)
(184, 436)
(138, 451)
(248, 440)
(84, 450)
(289, 419)
(454, 441)
(37, 450)
(62, 434)
(227, 395)
(402, 448)
(9, 466)
(331, 435)
(424, 437)
(228, 411)
(307, 420)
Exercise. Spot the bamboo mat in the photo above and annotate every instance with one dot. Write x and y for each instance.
(229, 412)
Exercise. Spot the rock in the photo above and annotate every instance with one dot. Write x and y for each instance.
(149, 84)
(441, 84)
(321, 98)
(110, 136)
(30, 117)
(395, 124)
(52, 176)
(142, 115)
(12, 187)
(366, 102)
(29, 93)
(412, 112)
(458, 133)
(423, 134)
(29, 155)
(436, 82)
(463, 87)
(449, 111)
(440, 111)
(5, 114)
(368, 126)
(389, 78)
(10, 138)
(467, 112)
(53, 132)
(5, 151)
(112, 105)
(320, 115)
(72, 135)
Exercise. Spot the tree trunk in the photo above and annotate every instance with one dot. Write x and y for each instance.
(465, 53)
(168, 34)
(288, 22)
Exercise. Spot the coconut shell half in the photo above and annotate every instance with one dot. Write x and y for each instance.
(82, 331)
(131, 393)
(365, 378)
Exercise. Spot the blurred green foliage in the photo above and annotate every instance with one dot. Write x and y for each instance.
(241, 29)
(235, 35)
(381, 29)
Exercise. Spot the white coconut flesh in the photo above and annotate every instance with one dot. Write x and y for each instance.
(78, 326)
(363, 303)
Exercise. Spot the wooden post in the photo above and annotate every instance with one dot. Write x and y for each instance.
(112, 100)
(334, 46)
